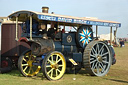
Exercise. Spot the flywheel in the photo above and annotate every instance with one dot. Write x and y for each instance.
(84, 36)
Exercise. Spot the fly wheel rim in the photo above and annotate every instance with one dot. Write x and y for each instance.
(25, 65)
(101, 65)
(54, 68)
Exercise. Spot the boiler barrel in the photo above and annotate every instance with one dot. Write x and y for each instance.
(42, 46)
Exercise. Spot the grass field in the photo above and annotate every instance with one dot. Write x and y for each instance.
(118, 75)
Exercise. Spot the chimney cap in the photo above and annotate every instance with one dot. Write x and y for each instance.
(45, 9)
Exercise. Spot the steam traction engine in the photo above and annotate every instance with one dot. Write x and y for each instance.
(54, 50)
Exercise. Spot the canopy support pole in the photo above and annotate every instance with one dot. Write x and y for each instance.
(115, 35)
(64, 28)
(111, 36)
(16, 28)
(58, 25)
(96, 31)
(77, 26)
(30, 27)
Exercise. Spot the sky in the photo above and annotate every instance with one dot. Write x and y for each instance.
(113, 10)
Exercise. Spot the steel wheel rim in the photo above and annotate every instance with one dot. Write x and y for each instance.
(55, 66)
(27, 67)
(100, 60)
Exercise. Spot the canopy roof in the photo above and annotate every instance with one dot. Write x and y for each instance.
(24, 15)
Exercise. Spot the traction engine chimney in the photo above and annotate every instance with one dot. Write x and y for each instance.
(45, 9)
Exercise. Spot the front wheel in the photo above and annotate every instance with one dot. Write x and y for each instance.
(25, 64)
(54, 66)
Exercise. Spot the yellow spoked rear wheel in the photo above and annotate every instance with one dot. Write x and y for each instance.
(54, 66)
(25, 64)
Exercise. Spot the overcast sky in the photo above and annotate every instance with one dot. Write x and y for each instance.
(114, 10)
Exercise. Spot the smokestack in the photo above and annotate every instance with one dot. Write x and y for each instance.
(45, 9)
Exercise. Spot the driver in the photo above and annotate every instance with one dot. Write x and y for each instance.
(52, 30)
(43, 30)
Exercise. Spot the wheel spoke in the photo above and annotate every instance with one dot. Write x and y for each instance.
(25, 68)
(58, 60)
(48, 66)
(105, 53)
(26, 56)
(52, 58)
(98, 68)
(50, 71)
(105, 62)
(104, 57)
(58, 70)
(101, 48)
(93, 56)
(56, 73)
(24, 59)
(102, 51)
(97, 48)
(29, 70)
(60, 65)
(24, 64)
(94, 50)
(50, 61)
(93, 61)
(92, 65)
(101, 65)
(95, 65)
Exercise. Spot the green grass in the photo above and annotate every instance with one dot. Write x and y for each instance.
(118, 75)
